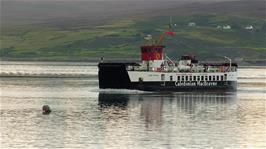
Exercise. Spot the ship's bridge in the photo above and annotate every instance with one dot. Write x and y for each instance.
(152, 57)
(152, 52)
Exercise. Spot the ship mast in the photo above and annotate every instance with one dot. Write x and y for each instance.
(152, 54)
(169, 32)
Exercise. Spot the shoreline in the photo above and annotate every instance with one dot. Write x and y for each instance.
(94, 60)
(242, 64)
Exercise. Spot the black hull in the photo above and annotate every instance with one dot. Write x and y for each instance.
(115, 76)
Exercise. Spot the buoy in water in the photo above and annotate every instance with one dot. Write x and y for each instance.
(46, 109)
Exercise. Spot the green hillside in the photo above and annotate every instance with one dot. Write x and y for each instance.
(121, 38)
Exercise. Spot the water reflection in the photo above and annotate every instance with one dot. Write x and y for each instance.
(189, 102)
(107, 100)
(186, 101)
(151, 110)
(151, 107)
(176, 119)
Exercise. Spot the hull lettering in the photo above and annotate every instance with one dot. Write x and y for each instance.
(195, 83)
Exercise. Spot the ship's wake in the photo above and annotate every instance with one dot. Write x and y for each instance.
(119, 91)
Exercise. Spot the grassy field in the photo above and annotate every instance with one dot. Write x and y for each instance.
(121, 38)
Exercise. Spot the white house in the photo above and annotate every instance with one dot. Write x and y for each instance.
(148, 37)
(191, 24)
(250, 27)
(219, 27)
(226, 27)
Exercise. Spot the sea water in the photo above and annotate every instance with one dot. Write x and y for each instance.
(84, 116)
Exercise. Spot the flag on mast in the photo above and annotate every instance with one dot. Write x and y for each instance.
(169, 32)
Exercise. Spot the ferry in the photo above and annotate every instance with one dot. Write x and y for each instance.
(157, 72)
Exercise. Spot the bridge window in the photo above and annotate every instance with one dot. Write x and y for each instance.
(190, 78)
(217, 78)
(186, 78)
(171, 78)
(162, 77)
(198, 78)
(222, 78)
(202, 78)
(213, 78)
(183, 78)
(210, 78)
(194, 78)
(206, 78)
(178, 78)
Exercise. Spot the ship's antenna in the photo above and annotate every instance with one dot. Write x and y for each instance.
(170, 23)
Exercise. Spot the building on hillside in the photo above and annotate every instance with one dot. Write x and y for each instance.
(219, 27)
(226, 27)
(191, 24)
(249, 27)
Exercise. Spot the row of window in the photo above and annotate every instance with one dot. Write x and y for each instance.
(198, 78)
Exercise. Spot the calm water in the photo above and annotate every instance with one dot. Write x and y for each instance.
(85, 117)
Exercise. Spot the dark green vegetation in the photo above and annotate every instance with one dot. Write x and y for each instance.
(120, 37)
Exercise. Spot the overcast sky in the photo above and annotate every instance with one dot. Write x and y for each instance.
(127, 0)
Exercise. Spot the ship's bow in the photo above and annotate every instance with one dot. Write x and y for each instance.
(113, 75)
